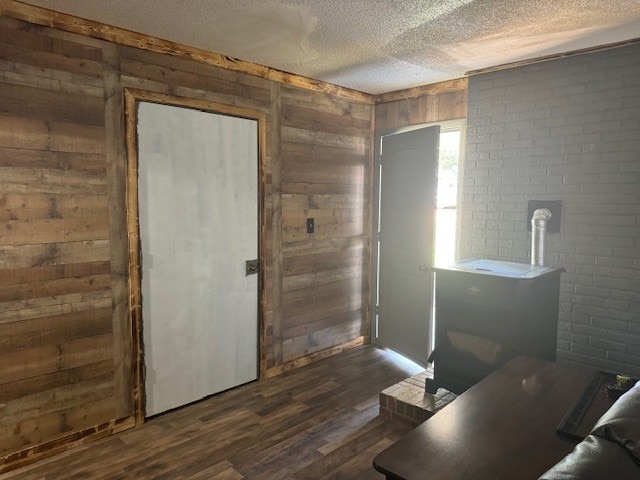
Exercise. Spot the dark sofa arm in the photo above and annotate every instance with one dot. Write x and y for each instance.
(612, 450)
(621, 423)
(594, 459)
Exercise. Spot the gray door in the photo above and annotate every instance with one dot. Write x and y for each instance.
(198, 203)
(408, 177)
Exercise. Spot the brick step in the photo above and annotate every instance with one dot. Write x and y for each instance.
(408, 402)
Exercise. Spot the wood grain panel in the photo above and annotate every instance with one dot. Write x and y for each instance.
(21, 101)
(132, 57)
(176, 77)
(186, 92)
(293, 233)
(295, 348)
(39, 332)
(315, 137)
(27, 56)
(342, 302)
(40, 274)
(50, 79)
(29, 158)
(21, 232)
(29, 36)
(65, 312)
(21, 206)
(56, 340)
(44, 383)
(47, 359)
(432, 89)
(312, 119)
(320, 173)
(78, 409)
(318, 294)
(337, 254)
(40, 16)
(337, 216)
(318, 188)
(58, 305)
(61, 398)
(306, 280)
(190, 66)
(447, 101)
(304, 152)
(326, 103)
(30, 256)
(325, 176)
(298, 202)
(39, 134)
(169, 74)
(48, 288)
(29, 180)
(301, 329)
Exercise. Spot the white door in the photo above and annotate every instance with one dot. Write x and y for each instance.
(408, 181)
(198, 207)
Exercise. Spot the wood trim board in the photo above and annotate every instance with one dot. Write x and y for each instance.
(48, 449)
(314, 357)
(430, 89)
(89, 28)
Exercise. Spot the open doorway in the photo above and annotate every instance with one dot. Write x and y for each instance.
(440, 236)
(405, 235)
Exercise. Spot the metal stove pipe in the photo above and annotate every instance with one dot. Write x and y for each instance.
(538, 234)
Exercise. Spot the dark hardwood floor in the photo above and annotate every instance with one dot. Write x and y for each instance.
(317, 422)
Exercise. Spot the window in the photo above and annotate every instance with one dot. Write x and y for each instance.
(447, 196)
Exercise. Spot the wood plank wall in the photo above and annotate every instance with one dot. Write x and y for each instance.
(65, 335)
(437, 103)
(57, 345)
(325, 155)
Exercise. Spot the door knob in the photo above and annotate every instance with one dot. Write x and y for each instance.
(423, 268)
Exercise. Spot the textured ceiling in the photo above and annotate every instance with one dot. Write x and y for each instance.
(374, 46)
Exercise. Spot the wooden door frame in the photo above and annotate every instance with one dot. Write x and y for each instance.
(132, 98)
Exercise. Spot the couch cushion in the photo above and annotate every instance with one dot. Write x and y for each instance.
(595, 459)
(621, 423)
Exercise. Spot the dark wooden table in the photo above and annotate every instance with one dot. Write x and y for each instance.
(502, 428)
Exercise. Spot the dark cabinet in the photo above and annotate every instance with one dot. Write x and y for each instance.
(487, 312)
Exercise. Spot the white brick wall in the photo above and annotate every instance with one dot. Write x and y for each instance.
(565, 130)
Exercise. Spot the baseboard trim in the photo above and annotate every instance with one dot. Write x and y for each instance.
(21, 458)
(314, 357)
